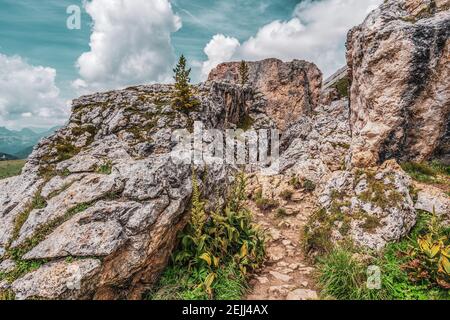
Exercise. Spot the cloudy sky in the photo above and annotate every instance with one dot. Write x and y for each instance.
(44, 64)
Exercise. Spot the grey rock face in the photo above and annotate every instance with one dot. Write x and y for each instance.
(58, 279)
(433, 200)
(371, 207)
(292, 89)
(399, 99)
(316, 146)
(107, 187)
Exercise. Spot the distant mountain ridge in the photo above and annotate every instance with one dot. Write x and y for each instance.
(19, 144)
(5, 156)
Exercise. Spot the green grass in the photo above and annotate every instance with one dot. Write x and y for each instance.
(427, 172)
(343, 276)
(180, 283)
(11, 168)
(105, 168)
(343, 86)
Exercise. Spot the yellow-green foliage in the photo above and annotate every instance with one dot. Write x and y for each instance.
(431, 257)
(7, 295)
(215, 244)
(405, 269)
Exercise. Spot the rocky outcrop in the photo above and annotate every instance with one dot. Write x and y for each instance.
(315, 146)
(398, 63)
(370, 207)
(292, 89)
(433, 200)
(97, 209)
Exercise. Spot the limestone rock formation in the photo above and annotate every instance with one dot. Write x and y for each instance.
(315, 146)
(97, 209)
(370, 206)
(399, 70)
(292, 89)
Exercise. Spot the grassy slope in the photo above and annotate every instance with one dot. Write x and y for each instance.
(11, 168)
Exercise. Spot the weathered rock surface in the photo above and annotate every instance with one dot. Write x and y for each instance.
(370, 206)
(105, 197)
(433, 200)
(292, 89)
(62, 279)
(96, 210)
(315, 146)
(398, 63)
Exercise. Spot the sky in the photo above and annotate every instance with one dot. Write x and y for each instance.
(44, 63)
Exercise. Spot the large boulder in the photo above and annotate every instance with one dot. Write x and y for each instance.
(398, 61)
(292, 89)
(97, 209)
(369, 207)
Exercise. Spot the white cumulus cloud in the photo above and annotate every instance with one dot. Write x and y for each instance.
(219, 49)
(29, 95)
(130, 44)
(316, 32)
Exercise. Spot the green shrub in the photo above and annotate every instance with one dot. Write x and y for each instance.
(265, 204)
(281, 212)
(343, 86)
(217, 251)
(286, 194)
(105, 168)
(420, 171)
(308, 185)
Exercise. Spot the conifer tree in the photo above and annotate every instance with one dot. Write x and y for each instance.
(183, 97)
(243, 72)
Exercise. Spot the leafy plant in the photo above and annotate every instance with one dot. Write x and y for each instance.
(308, 185)
(430, 259)
(405, 272)
(286, 194)
(105, 167)
(213, 246)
